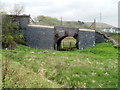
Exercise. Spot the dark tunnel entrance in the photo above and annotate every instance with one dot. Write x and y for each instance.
(67, 43)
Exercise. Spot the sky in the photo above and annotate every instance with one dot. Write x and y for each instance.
(70, 10)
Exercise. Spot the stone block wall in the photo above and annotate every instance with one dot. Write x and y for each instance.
(41, 38)
(44, 38)
(86, 39)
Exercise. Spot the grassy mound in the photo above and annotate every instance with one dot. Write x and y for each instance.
(95, 67)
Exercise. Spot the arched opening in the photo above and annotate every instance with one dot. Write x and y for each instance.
(67, 43)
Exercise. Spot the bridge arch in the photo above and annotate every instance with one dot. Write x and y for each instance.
(49, 37)
(59, 42)
(63, 32)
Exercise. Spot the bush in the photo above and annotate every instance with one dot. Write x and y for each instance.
(10, 33)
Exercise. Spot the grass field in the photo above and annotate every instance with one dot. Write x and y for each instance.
(95, 67)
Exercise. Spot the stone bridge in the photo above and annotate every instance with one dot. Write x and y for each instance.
(50, 37)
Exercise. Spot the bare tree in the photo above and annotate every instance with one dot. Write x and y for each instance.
(17, 9)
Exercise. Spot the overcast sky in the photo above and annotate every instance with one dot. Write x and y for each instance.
(71, 10)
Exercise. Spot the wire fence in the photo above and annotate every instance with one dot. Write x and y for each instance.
(68, 44)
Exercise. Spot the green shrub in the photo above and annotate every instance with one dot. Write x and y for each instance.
(10, 33)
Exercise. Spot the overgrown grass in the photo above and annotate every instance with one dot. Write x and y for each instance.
(95, 67)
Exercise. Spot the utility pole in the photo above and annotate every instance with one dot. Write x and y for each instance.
(61, 21)
(119, 19)
(101, 21)
(100, 17)
(95, 24)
